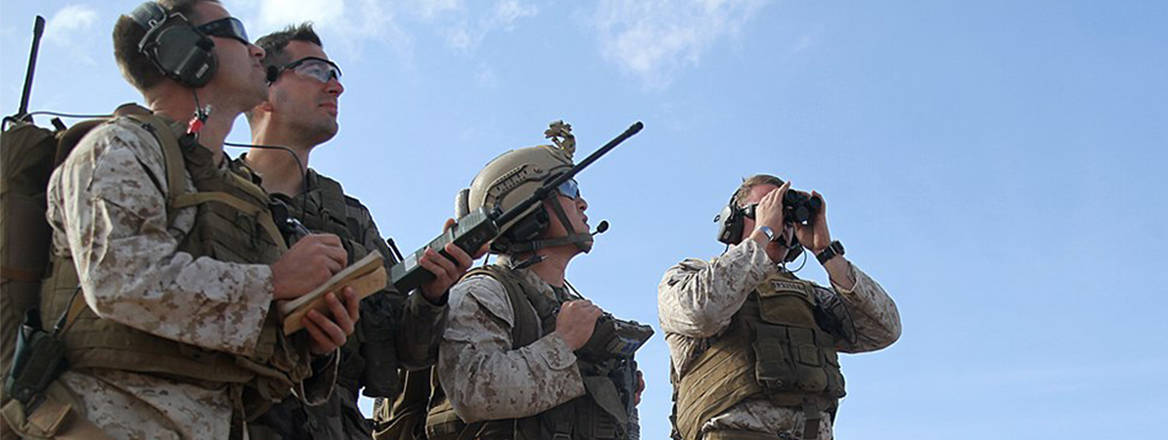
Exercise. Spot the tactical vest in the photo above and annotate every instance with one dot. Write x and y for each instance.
(325, 208)
(599, 414)
(772, 350)
(233, 224)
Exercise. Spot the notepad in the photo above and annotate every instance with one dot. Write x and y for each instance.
(366, 276)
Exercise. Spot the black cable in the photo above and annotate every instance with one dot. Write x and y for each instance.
(299, 164)
(803, 263)
(67, 115)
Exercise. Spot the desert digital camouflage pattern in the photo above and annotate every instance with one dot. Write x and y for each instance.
(107, 208)
(482, 376)
(697, 299)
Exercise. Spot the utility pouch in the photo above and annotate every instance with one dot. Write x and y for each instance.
(380, 377)
(811, 375)
(774, 366)
(38, 361)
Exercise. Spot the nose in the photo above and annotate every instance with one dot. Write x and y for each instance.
(581, 204)
(334, 87)
(256, 51)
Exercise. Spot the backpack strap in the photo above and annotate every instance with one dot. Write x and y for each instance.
(171, 154)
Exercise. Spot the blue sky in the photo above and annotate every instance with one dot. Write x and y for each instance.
(997, 166)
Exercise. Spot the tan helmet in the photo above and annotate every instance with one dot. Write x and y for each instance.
(513, 177)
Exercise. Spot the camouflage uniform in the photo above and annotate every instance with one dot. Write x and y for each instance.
(482, 376)
(107, 207)
(697, 299)
(395, 330)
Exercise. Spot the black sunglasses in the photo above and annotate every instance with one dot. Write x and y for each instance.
(229, 27)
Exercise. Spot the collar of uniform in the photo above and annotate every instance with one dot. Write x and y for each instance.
(530, 277)
(313, 179)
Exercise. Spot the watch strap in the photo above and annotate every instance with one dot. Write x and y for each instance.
(834, 249)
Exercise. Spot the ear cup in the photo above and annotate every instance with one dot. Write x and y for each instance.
(185, 55)
(174, 46)
(730, 223)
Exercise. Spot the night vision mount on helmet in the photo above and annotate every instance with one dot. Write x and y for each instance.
(505, 198)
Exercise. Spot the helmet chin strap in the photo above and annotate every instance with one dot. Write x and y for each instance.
(582, 240)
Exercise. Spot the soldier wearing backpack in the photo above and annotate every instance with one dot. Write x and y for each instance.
(167, 261)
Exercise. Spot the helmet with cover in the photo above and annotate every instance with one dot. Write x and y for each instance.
(513, 177)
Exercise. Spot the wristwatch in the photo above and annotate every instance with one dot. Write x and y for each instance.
(833, 249)
(768, 232)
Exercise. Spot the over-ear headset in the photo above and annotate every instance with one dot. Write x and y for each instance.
(174, 46)
(731, 222)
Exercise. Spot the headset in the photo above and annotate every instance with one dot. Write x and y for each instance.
(175, 46)
(731, 222)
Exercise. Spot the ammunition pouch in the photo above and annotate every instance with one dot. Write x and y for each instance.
(792, 354)
(793, 359)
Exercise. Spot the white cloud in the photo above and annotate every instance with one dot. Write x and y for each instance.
(348, 23)
(284, 12)
(506, 12)
(466, 33)
(461, 25)
(72, 28)
(653, 39)
(432, 8)
(69, 22)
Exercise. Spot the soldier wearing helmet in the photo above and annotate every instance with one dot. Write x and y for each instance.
(510, 361)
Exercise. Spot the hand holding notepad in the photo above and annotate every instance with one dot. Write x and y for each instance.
(365, 277)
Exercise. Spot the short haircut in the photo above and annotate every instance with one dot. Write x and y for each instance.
(274, 43)
(136, 67)
(750, 182)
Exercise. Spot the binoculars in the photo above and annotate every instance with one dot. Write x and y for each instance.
(800, 207)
